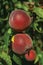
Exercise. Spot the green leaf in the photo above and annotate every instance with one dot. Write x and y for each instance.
(30, 0)
(17, 59)
(1, 63)
(41, 60)
(18, 5)
(14, 1)
(3, 19)
(5, 48)
(36, 25)
(9, 31)
(36, 60)
(6, 37)
(40, 55)
(38, 50)
(25, 7)
(6, 58)
(38, 11)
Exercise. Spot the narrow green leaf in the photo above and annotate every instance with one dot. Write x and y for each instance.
(18, 5)
(40, 54)
(25, 7)
(6, 58)
(6, 37)
(9, 31)
(30, 0)
(17, 59)
(36, 60)
(14, 1)
(38, 50)
(38, 11)
(41, 60)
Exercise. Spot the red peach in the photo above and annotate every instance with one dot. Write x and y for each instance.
(31, 55)
(19, 20)
(21, 42)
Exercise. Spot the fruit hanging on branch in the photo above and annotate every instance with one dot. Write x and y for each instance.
(31, 55)
(19, 20)
(21, 43)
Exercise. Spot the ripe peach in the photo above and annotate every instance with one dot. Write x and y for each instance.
(19, 20)
(21, 42)
(31, 55)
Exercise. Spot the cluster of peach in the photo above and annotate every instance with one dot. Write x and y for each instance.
(19, 20)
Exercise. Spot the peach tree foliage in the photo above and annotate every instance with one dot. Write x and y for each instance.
(6, 32)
